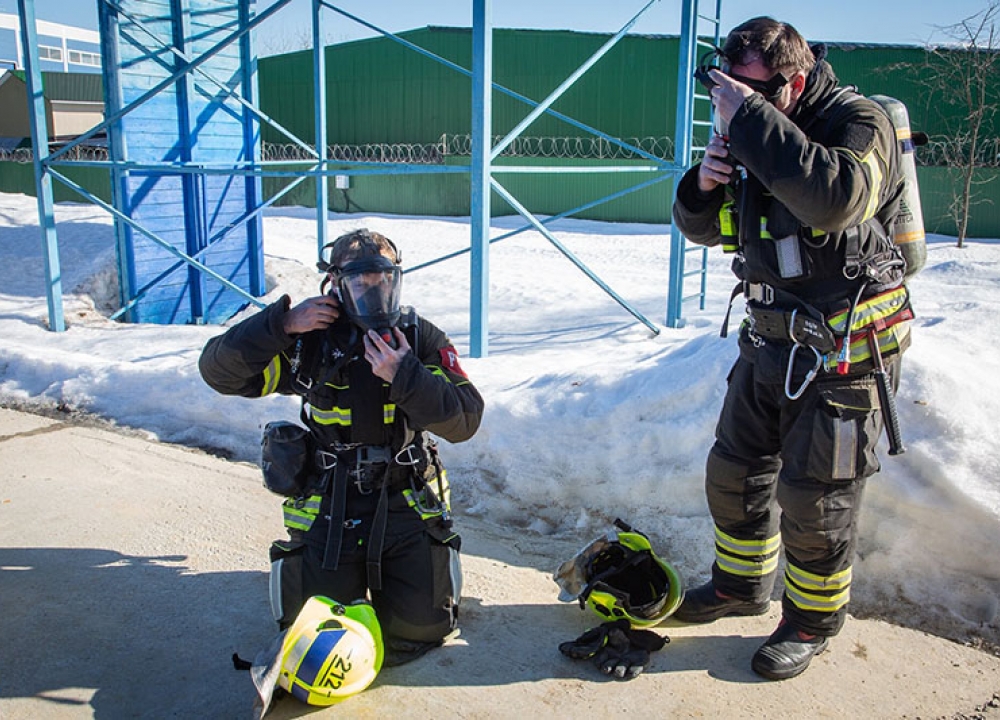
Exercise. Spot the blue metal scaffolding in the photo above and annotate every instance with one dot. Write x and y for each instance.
(483, 174)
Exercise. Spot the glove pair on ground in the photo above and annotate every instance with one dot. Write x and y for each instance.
(616, 648)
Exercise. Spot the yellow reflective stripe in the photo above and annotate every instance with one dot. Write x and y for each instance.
(746, 558)
(877, 308)
(821, 593)
(439, 371)
(747, 547)
(812, 581)
(746, 568)
(300, 514)
(870, 161)
(333, 416)
(817, 603)
(272, 374)
(888, 342)
(342, 416)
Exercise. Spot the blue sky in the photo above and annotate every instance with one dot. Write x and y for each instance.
(890, 21)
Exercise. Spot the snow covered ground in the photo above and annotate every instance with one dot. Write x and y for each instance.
(589, 415)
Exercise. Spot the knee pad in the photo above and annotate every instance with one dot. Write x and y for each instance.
(286, 583)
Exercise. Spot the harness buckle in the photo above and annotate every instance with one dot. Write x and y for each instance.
(409, 455)
(759, 292)
(325, 460)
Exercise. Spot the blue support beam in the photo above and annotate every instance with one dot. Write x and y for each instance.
(40, 150)
(319, 93)
(482, 114)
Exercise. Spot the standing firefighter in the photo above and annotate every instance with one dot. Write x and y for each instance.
(367, 499)
(802, 184)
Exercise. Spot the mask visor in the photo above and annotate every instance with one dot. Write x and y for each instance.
(370, 291)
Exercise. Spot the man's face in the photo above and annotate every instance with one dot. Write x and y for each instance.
(756, 70)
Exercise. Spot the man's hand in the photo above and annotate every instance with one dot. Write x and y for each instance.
(316, 313)
(384, 359)
(727, 94)
(715, 170)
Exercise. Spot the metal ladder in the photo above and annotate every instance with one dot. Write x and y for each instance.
(686, 259)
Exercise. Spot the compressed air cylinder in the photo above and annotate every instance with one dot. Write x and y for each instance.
(908, 230)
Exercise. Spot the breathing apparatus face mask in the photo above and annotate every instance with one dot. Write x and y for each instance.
(369, 291)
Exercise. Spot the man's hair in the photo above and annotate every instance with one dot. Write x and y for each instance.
(778, 45)
(359, 244)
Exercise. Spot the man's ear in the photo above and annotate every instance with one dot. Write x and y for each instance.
(798, 84)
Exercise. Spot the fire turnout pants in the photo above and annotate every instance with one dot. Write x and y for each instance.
(421, 573)
(791, 473)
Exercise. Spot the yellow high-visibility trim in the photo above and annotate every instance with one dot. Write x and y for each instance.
(746, 568)
(438, 370)
(299, 515)
(333, 416)
(342, 416)
(888, 342)
(870, 162)
(816, 603)
(867, 312)
(747, 547)
(272, 374)
(812, 581)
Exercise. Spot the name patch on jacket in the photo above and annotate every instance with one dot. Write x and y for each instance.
(449, 360)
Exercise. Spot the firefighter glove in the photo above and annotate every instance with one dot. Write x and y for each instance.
(615, 648)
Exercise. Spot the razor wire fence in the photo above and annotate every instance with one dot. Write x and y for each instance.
(938, 152)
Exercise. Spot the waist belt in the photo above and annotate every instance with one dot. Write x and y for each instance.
(352, 456)
(793, 326)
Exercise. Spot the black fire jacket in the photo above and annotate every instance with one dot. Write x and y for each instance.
(327, 368)
(829, 175)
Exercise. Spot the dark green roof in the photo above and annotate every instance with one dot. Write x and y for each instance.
(72, 87)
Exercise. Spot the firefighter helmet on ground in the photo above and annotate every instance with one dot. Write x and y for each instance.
(331, 651)
(619, 576)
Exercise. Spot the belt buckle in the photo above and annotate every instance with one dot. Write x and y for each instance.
(760, 292)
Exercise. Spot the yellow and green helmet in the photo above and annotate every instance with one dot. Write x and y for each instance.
(619, 576)
(331, 652)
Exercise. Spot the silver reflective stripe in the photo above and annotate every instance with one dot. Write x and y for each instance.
(845, 441)
(274, 585)
(455, 569)
(789, 257)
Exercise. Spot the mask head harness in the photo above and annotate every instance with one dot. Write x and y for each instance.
(362, 269)
(770, 89)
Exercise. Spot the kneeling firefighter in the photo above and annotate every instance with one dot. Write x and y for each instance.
(367, 499)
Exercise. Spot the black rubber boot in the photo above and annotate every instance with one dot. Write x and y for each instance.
(703, 605)
(786, 653)
(400, 652)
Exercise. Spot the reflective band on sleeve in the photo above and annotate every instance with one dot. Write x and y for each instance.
(875, 176)
(272, 374)
(746, 558)
(818, 593)
(439, 371)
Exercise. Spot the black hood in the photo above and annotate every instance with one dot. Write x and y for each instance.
(820, 82)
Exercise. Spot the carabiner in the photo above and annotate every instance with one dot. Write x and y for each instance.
(809, 375)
